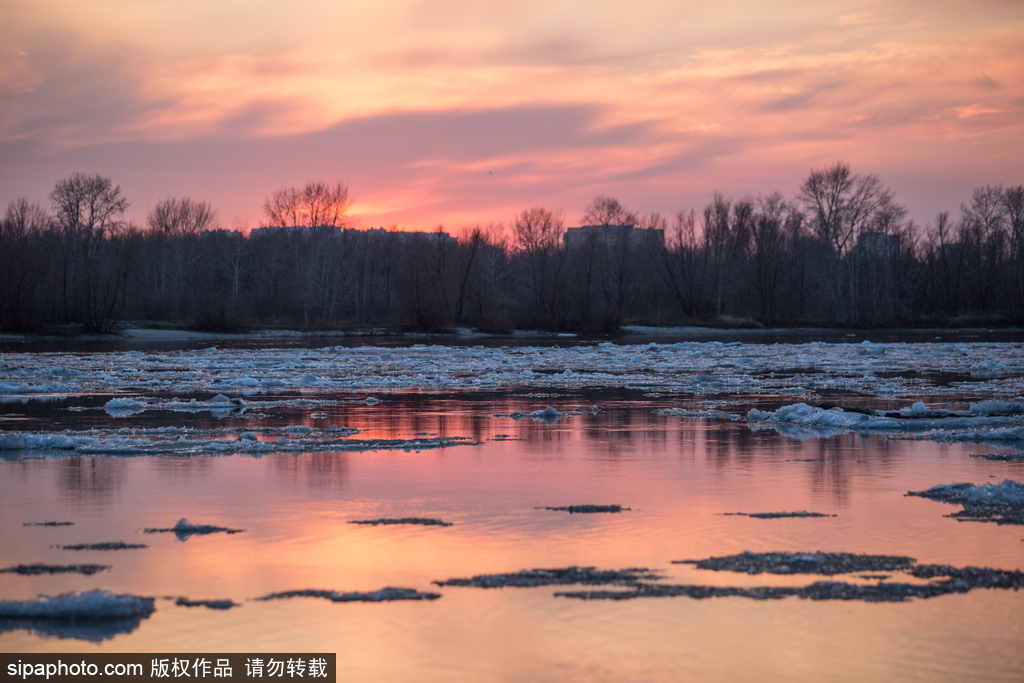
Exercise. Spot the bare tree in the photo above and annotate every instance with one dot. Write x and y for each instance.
(538, 233)
(984, 230)
(841, 206)
(1013, 204)
(88, 204)
(89, 213)
(683, 268)
(607, 211)
(770, 253)
(22, 243)
(175, 249)
(318, 204)
(176, 217)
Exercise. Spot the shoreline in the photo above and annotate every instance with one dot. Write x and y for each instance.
(627, 334)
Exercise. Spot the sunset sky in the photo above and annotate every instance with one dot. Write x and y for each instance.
(456, 111)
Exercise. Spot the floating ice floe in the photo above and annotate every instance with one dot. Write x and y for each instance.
(941, 579)
(585, 509)
(383, 595)
(220, 405)
(387, 521)
(529, 578)
(1010, 456)
(39, 568)
(106, 545)
(209, 604)
(777, 515)
(124, 407)
(802, 563)
(550, 415)
(91, 605)
(699, 413)
(945, 580)
(932, 369)
(1002, 503)
(985, 421)
(182, 441)
(185, 530)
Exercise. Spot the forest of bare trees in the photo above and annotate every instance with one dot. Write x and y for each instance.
(840, 252)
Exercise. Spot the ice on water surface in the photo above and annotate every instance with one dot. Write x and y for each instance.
(315, 454)
(703, 367)
(91, 605)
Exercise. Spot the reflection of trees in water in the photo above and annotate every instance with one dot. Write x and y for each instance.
(183, 469)
(313, 470)
(541, 441)
(849, 455)
(829, 463)
(91, 480)
(617, 430)
(726, 445)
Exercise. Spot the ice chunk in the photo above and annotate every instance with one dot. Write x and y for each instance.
(548, 415)
(12, 442)
(1006, 492)
(185, 530)
(866, 348)
(383, 595)
(209, 604)
(988, 368)
(123, 407)
(91, 605)
(997, 408)
(805, 415)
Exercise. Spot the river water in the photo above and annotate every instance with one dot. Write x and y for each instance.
(677, 478)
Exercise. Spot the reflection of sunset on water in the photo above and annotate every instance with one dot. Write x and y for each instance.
(677, 476)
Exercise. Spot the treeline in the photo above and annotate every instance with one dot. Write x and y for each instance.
(840, 252)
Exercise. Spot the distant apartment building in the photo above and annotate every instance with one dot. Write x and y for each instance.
(881, 244)
(613, 236)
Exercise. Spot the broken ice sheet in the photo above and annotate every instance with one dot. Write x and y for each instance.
(388, 594)
(777, 515)
(802, 563)
(40, 568)
(1008, 456)
(940, 579)
(388, 521)
(818, 591)
(529, 578)
(686, 367)
(183, 529)
(585, 509)
(182, 441)
(1002, 503)
(986, 421)
(108, 545)
(209, 604)
(94, 615)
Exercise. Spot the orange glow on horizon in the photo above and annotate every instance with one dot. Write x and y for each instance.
(466, 115)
